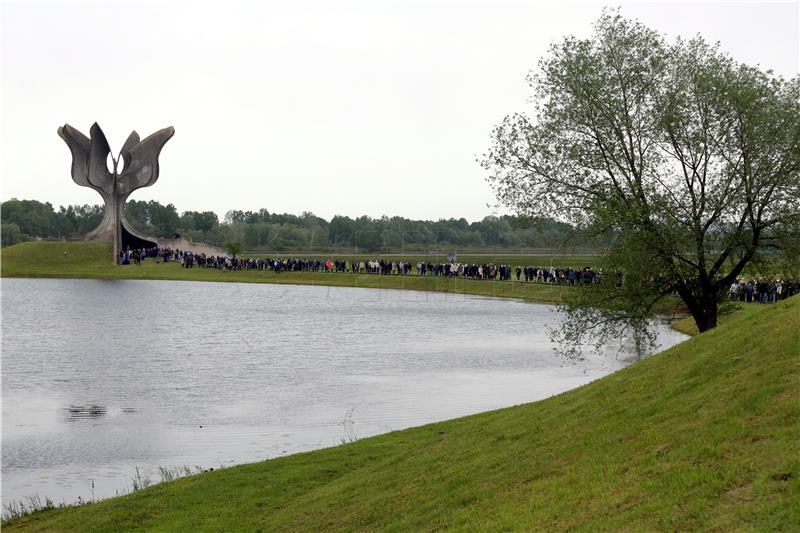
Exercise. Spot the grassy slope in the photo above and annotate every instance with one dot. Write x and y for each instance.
(687, 325)
(92, 260)
(703, 436)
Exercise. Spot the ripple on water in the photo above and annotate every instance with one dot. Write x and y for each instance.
(101, 377)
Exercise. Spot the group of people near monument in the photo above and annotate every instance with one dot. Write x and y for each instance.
(137, 255)
(754, 290)
(483, 271)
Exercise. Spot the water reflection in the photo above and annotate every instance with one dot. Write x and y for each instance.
(214, 374)
(83, 412)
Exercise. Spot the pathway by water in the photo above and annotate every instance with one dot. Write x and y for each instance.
(101, 377)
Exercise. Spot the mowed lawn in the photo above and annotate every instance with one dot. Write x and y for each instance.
(704, 436)
(93, 260)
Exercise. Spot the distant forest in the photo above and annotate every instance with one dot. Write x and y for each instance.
(262, 231)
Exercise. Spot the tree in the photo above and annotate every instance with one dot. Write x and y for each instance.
(252, 236)
(687, 158)
(138, 214)
(232, 247)
(163, 218)
(204, 221)
(32, 217)
(10, 234)
(234, 216)
(342, 229)
(186, 222)
(77, 220)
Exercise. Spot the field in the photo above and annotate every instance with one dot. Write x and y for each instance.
(92, 260)
(704, 436)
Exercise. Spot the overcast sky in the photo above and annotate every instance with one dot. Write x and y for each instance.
(333, 107)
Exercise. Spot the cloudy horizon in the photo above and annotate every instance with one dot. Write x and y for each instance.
(376, 108)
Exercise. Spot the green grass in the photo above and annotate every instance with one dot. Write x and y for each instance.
(704, 436)
(688, 326)
(93, 260)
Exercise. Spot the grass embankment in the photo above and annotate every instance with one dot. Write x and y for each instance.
(704, 436)
(93, 260)
(688, 326)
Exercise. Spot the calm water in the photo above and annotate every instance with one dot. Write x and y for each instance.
(101, 377)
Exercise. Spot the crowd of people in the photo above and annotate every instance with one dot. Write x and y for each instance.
(762, 291)
(754, 290)
(483, 271)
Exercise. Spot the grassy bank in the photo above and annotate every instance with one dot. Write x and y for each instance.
(688, 326)
(92, 260)
(704, 436)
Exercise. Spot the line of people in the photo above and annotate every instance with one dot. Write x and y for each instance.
(762, 291)
(484, 271)
(753, 290)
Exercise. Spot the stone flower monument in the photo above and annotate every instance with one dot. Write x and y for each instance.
(135, 167)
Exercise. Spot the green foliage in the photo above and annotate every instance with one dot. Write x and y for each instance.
(262, 231)
(11, 234)
(204, 221)
(77, 220)
(232, 247)
(702, 437)
(689, 160)
(32, 217)
(37, 219)
(153, 218)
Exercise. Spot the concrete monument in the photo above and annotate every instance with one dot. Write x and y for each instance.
(135, 167)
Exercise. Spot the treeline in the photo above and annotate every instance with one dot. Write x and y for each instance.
(23, 220)
(261, 230)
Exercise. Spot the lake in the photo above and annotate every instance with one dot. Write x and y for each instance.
(103, 377)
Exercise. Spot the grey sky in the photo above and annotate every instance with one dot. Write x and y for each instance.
(332, 107)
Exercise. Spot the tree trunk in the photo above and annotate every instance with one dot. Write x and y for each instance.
(706, 318)
(703, 306)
